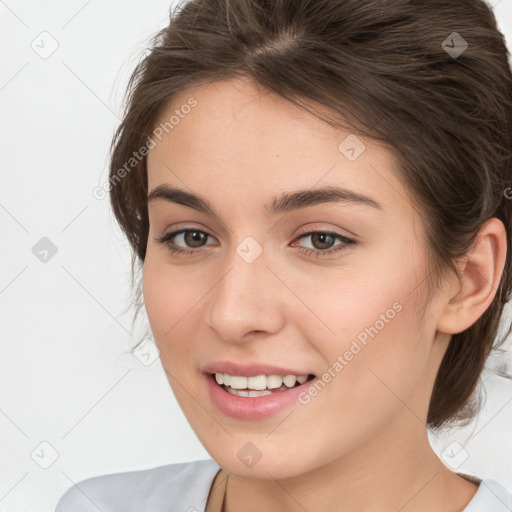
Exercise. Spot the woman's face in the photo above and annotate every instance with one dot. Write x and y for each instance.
(253, 293)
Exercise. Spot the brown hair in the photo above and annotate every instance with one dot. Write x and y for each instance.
(389, 69)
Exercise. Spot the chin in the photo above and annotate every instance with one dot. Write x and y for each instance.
(243, 459)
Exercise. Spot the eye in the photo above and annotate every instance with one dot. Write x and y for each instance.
(193, 238)
(323, 242)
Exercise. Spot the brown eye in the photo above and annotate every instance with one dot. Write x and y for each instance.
(184, 241)
(195, 238)
(323, 242)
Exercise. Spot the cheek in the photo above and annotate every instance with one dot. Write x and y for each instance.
(351, 304)
(374, 342)
(169, 299)
(169, 296)
(372, 366)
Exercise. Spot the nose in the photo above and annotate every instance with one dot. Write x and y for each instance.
(247, 300)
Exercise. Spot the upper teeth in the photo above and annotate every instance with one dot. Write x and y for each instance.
(260, 381)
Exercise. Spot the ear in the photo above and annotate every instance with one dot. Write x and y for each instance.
(480, 275)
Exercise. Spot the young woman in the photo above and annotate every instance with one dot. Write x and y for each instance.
(317, 193)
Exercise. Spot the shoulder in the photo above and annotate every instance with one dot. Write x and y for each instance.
(490, 497)
(182, 486)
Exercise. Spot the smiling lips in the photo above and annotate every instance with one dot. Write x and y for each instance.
(256, 379)
(253, 391)
(259, 385)
(254, 404)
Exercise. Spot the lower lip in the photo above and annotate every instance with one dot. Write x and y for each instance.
(252, 408)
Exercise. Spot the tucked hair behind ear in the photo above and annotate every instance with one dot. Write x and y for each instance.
(394, 70)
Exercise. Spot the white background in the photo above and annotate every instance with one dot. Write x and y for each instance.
(67, 377)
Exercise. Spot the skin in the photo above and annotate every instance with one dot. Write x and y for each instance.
(366, 430)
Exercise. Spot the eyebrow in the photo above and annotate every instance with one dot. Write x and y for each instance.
(284, 203)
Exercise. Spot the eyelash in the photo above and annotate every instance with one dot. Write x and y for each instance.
(175, 249)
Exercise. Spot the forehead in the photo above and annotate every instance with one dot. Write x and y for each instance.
(257, 143)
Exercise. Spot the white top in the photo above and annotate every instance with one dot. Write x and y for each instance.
(185, 487)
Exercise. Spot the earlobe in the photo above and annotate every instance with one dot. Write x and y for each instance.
(480, 275)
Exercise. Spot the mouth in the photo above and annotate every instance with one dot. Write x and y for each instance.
(259, 385)
(254, 391)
